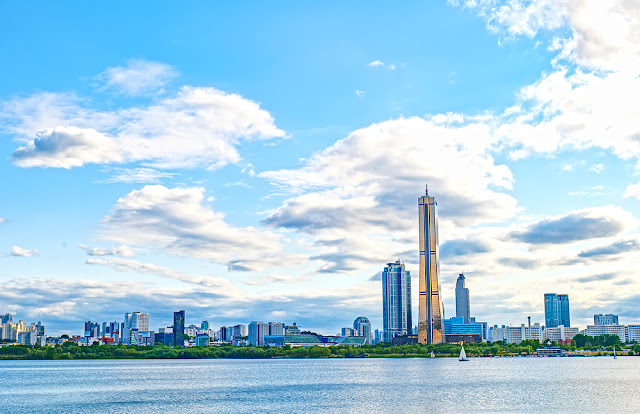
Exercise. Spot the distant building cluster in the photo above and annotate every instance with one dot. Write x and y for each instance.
(398, 328)
(432, 326)
(20, 332)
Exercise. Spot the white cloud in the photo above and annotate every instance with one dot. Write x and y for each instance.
(137, 175)
(358, 92)
(20, 252)
(597, 168)
(3, 220)
(122, 251)
(380, 64)
(197, 126)
(178, 221)
(632, 191)
(361, 193)
(137, 77)
(125, 265)
(603, 35)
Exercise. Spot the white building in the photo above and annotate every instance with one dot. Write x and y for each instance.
(632, 333)
(597, 330)
(134, 324)
(561, 333)
(515, 334)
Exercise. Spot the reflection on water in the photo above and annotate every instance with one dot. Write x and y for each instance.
(322, 385)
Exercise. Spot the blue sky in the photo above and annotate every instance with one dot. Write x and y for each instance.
(263, 161)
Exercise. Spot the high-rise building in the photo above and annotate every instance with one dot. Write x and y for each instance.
(556, 310)
(396, 301)
(362, 326)
(608, 319)
(462, 300)
(275, 328)
(431, 314)
(6, 318)
(257, 331)
(204, 325)
(134, 324)
(178, 328)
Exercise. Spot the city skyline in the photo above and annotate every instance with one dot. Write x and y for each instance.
(188, 161)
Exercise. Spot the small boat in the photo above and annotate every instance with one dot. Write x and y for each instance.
(614, 352)
(463, 355)
(433, 355)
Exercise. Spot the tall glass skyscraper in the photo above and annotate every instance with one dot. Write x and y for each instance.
(396, 301)
(178, 328)
(556, 310)
(462, 300)
(362, 325)
(431, 315)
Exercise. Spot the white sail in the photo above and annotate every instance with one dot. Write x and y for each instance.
(463, 355)
(433, 355)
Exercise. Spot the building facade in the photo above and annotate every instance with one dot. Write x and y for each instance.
(257, 332)
(608, 319)
(178, 328)
(597, 330)
(456, 326)
(556, 310)
(431, 314)
(362, 326)
(396, 301)
(463, 309)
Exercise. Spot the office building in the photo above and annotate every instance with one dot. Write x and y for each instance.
(204, 325)
(431, 313)
(134, 324)
(556, 310)
(257, 332)
(6, 318)
(178, 328)
(608, 319)
(276, 328)
(456, 326)
(348, 332)
(463, 309)
(202, 339)
(396, 301)
(292, 329)
(237, 331)
(362, 326)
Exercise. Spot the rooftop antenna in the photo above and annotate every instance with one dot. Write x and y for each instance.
(426, 189)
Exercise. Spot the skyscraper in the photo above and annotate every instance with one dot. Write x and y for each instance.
(556, 310)
(430, 317)
(134, 323)
(462, 300)
(178, 328)
(396, 301)
(362, 326)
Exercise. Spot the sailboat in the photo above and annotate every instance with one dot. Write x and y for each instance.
(433, 355)
(463, 355)
(614, 352)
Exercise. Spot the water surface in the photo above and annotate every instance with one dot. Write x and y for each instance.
(552, 385)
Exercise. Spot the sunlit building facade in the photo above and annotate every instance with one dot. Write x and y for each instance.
(362, 327)
(463, 310)
(556, 310)
(431, 314)
(396, 301)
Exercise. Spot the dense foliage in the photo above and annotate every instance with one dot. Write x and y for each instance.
(70, 350)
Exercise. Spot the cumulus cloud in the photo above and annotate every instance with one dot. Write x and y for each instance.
(457, 247)
(122, 251)
(613, 249)
(137, 77)
(598, 35)
(178, 220)
(381, 64)
(633, 191)
(590, 223)
(360, 195)
(20, 252)
(3, 220)
(196, 126)
(124, 265)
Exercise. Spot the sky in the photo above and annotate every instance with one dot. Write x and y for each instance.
(263, 161)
